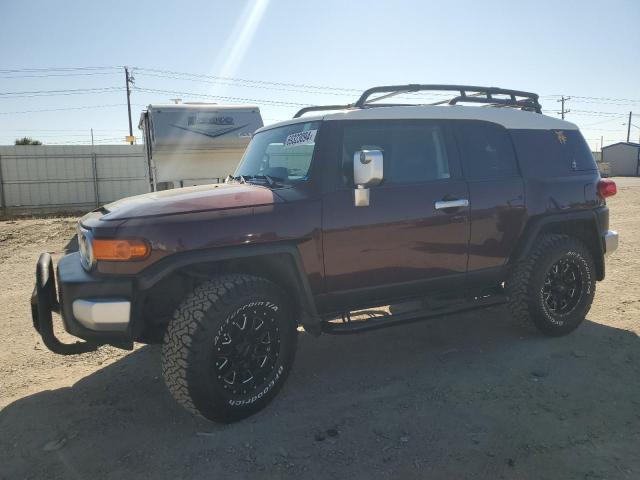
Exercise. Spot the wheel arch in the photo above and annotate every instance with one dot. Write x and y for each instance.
(280, 264)
(582, 225)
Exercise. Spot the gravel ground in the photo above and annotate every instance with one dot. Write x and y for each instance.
(467, 396)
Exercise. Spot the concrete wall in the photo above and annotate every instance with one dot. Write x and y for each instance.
(622, 159)
(59, 178)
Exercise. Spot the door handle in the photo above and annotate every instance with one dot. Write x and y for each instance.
(444, 204)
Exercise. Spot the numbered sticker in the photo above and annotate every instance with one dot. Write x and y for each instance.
(300, 138)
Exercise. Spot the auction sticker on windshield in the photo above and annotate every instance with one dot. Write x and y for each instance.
(300, 138)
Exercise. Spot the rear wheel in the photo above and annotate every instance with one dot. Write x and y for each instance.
(229, 347)
(553, 288)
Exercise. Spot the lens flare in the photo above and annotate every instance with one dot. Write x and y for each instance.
(241, 38)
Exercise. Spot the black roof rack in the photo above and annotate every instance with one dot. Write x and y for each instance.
(465, 94)
(321, 108)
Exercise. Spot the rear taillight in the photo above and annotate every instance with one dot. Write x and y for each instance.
(607, 188)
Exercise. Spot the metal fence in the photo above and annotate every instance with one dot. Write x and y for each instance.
(48, 179)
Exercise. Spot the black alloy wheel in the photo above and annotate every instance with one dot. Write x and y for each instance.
(247, 349)
(229, 347)
(553, 286)
(563, 286)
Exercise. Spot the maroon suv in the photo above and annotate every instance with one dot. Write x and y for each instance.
(374, 215)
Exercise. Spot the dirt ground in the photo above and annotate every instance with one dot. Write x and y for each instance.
(468, 396)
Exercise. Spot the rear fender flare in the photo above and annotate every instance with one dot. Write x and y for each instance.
(540, 224)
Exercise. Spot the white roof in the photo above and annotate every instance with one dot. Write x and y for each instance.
(201, 106)
(511, 118)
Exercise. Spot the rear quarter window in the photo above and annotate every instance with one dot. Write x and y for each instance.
(486, 151)
(544, 153)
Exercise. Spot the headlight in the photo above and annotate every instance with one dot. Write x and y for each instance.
(85, 246)
(112, 250)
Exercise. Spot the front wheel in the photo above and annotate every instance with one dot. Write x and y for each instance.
(229, 347)
(553, 288)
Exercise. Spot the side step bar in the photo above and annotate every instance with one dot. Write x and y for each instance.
(380, 319)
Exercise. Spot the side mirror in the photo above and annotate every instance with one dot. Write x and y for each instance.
(367, 172)
(367, 167)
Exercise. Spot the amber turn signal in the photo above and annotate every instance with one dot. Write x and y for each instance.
(120, 250)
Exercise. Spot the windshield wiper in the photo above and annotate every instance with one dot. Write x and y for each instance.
(270, 180)
(239, 178)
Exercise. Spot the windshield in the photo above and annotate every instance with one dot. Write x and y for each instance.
(283, 153)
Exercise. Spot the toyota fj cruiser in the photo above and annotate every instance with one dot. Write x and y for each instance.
(328, 220)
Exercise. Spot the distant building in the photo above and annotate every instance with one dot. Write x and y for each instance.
(623, 159)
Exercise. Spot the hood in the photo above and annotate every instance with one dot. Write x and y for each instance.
(191, 199)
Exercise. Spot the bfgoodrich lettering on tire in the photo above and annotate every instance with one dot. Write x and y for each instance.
(553, 288)
(229, 347)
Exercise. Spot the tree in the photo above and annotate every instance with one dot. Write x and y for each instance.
(27, 141)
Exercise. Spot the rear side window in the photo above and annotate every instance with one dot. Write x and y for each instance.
(486, 150)
(544, 153)
(413, 152)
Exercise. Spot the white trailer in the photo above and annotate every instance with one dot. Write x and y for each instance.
(195, 143)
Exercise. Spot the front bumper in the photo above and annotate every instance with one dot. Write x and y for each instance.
(94, 309)
(610, 242)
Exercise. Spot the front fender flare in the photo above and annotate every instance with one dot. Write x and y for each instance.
(298, 280)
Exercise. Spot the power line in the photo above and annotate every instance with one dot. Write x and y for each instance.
(618, 130)
(594, 113)
(56, 69)
(46, 75)
(53, 93)
(610, 99)
(27, 129)
(114, 141)
(581, 97)
(85, 107)
(274, 103)
(236, 80)
(328, 90)
(605, 102)
(232, 83)
(50, 135)
(277, 86)
(244, 80)
(600, 122)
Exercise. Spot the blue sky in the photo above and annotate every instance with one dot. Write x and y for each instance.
(575, 48)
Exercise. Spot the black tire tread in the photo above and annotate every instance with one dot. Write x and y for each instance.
(518, 284)
(212, 294)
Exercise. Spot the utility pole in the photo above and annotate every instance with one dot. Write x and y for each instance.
(128, 81)
(92, 137)
(629, 127)
(563, 99)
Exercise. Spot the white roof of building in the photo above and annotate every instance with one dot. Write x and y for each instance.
(201, 106)
(626, 144)
(511, 118)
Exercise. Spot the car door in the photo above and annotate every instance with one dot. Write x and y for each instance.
(410, 237)
(496, 196)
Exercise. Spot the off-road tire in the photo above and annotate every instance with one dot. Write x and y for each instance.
(189, 355)
(527, 280)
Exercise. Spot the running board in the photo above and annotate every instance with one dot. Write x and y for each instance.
(381, 319)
